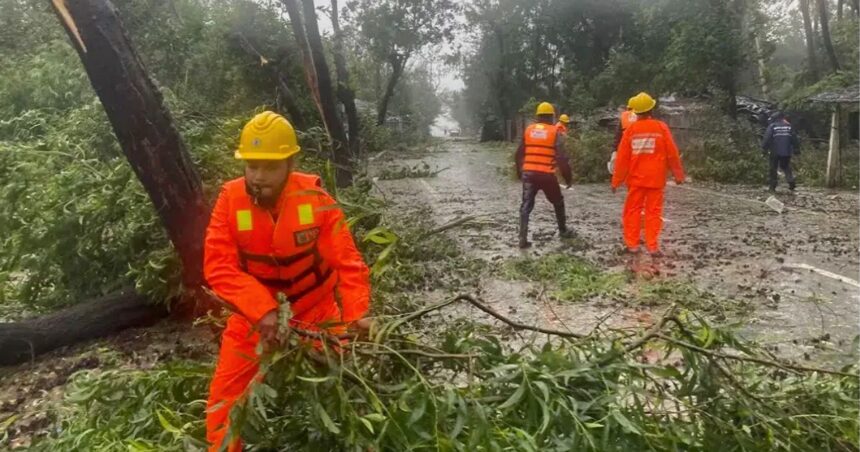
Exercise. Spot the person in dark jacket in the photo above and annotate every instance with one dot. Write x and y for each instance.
(539, 154)
(780, 143)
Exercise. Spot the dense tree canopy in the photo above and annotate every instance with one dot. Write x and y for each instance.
(589, 54)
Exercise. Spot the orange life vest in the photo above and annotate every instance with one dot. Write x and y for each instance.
(561, 127)
(282, 254)
(539, 153)
(627, 118)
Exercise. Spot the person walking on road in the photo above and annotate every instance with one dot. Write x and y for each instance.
(275, 231)
(645, 153)
(779, 144)
(540, 152)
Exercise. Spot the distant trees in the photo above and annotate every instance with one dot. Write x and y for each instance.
(394, 30)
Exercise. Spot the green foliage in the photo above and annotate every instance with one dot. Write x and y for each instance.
(589, 151)
(375, 139)
(461, 389)
(131, 410)
(574, 278)
(78, 223)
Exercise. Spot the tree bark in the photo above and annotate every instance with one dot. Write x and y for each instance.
(398, 63)
(840, 5)
(142, 124)
(23, 341)
(811, 62)
(825, 34)
(302, 41)
(319, 80)
(155, 151)
(344, 92)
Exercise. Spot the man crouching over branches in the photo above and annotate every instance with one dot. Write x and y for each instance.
(275, 231)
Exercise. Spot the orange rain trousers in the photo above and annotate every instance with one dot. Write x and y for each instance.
(651, 200)
(238, 366)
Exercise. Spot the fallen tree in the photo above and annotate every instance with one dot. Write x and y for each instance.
(153, 147)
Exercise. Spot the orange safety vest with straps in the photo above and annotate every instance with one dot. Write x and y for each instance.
(282, 254)
(304, 250)
(539, 155)
(627, 118)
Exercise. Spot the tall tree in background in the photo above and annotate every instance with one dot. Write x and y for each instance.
(396, 29)
(344, 90)
(808, 32)
(317, 74)
(825, 34)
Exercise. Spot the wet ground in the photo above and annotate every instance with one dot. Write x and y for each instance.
(797, 270)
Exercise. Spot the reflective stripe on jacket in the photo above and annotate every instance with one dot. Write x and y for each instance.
(647, 150)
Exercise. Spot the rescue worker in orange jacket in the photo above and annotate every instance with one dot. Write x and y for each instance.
(562, 124)
(647, 150)
(275, 231)
(539, 154)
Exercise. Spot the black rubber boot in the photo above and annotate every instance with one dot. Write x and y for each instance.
(561, 218)
(524, 233)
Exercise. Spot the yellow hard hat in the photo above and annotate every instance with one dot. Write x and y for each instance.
(641, 103)
(267, 136)
(564, 118)
(545, 108)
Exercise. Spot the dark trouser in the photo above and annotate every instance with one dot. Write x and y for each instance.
(534, 182)
(783, 163)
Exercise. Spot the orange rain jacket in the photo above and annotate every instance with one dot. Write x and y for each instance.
(562, 129)
(308, 254)
(304, 250)
(646, 151)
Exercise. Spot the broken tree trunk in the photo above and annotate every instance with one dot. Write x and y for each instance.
(319, 81)
(808, 32)
(336, 132)
(344, 91)
(825, 35)
(23, 341)
(143, 126)
(152, 145)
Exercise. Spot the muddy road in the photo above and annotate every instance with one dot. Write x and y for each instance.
(797, 271)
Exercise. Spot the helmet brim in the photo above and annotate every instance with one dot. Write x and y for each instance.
(239, 155)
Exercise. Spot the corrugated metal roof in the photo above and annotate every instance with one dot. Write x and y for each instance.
(844, 96)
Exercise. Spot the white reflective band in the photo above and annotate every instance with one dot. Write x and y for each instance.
(538, 133)
(643, 145)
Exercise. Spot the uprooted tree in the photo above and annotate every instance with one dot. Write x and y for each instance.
(151, 143)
